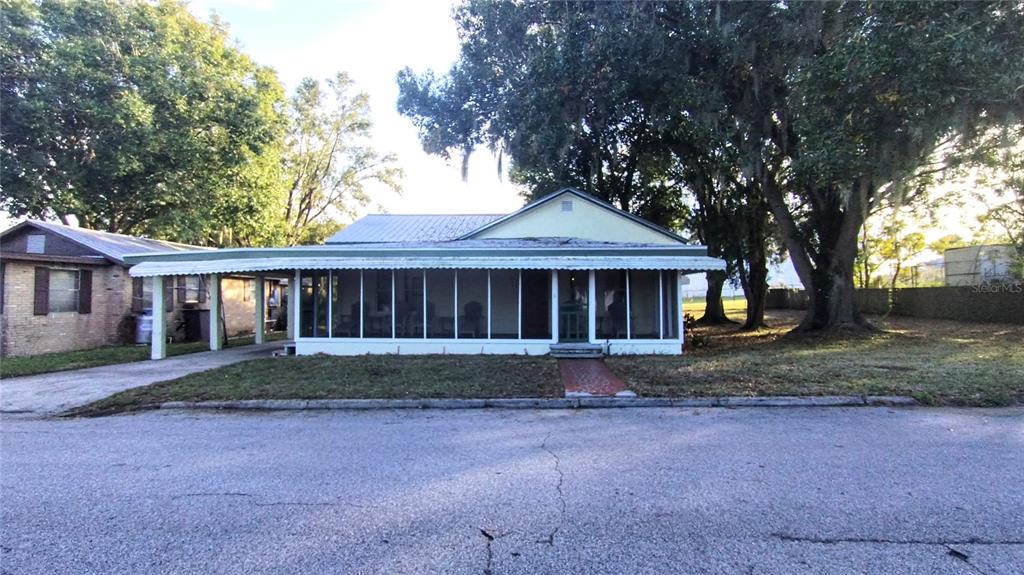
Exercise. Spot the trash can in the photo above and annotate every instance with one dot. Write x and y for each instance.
(144, 327)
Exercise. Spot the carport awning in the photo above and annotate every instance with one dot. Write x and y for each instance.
(684, 263)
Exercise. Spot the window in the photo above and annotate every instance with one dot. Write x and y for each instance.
(35, 244)
(536, 309)
(409, 303)
(611, 304)
(63, 290)
(440, 304)
(377, 303)
(345, 303)
(566, 205)
(644, 304)
(192, 287)
(638, 304)
(670, 307)
(472, 308)
(504, 304)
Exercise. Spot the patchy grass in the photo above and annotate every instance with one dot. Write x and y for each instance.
(107, 355)
(938, 362)
(360, 377)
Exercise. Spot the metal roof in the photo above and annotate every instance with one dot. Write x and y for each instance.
(112, 246)
(410, 228)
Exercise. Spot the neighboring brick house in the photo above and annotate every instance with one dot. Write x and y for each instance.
(64, 288)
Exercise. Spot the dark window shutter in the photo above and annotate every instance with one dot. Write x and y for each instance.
(180, 285)
(138, 294)
(85, 291)
(3, 280)
(202, 290)
(41, 304)
(168, 294)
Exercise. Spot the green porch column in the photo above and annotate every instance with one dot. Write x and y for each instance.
(158, 335)
(261, 308)
(215, 303)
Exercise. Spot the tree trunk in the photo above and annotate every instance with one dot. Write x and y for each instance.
(827, 270)
(754, 274)
(714, 311)
(832, 305)
(756, 292)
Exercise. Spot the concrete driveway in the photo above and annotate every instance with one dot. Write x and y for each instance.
(51, 393)
(639, 491)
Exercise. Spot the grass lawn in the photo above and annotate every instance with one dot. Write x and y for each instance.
(938, 362)
(360, 377)
(107, 355)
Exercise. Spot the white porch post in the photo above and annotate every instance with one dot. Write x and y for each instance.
(215, 303)
(261, 308)
(679, 307)
(158, 337)
(554, 305)
(295, 285)
(592, 308)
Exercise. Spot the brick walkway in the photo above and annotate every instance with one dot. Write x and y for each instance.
(589, 377)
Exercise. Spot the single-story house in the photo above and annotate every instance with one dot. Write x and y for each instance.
(565, 272)
(64, 288)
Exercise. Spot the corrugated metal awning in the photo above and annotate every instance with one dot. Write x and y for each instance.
(542, 262)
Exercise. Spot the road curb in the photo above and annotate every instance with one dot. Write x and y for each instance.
(544, 403)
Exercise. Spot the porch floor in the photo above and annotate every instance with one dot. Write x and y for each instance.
(590, 377)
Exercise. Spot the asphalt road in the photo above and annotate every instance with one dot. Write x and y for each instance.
(800, 490)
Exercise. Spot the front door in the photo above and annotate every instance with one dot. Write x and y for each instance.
(573, 307)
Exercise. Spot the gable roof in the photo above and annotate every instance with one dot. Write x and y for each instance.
(583, 196)
(112, 246)
(410, 228)
(377, 228)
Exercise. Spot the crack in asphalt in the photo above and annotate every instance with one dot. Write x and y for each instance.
(490, 552)
(558, 487)
(946, 544)
(961, 556)
(490, 537)
(228, 494)
(942, 542)
(270, 503)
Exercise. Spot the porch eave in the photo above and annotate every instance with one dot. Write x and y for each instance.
(638, 261)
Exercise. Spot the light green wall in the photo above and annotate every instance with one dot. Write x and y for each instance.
(587, 221)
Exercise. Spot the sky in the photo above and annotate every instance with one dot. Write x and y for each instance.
(372, 41)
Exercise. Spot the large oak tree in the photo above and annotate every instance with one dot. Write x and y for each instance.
(817, 112)
(136, 117)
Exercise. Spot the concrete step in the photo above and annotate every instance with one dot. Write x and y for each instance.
(577, 350)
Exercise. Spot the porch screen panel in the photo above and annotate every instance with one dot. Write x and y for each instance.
(440, 304)
(472, 304)
(536, 304)
(321, 297)
(345, 303)
(313, 296)
(644, 294)
(504, 304)
(610, 307)
(377, 303)
(409, 303)
(670, 306)
(307, 311)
